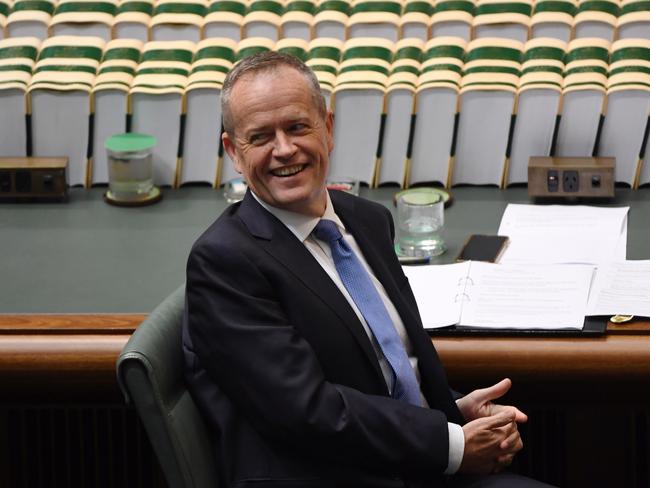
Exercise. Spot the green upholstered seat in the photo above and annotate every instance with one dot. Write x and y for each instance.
(634, 19)
(263, 19)
(29, 18)
(296, 47)
(596, 19)
(132, 19)
(298, 18)
(17, 60)
(224, 19)
(553, 18)
(150, 374)
(370, 18)
(175, 20)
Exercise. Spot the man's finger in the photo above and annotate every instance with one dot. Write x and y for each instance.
(520, 417)
(512, 443)
(495, 391)
(501, 419)
(505, 460)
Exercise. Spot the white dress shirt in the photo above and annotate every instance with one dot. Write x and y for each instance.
(302, 226)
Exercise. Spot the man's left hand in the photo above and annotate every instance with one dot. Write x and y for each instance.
(478, 403)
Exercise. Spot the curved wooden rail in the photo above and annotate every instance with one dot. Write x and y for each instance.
(66, 354)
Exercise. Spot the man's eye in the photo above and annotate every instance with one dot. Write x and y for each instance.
(298, 127)
(257, 138)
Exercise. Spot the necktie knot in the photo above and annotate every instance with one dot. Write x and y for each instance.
(327, 231)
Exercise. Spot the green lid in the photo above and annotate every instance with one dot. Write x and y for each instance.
(419, 197)
(424, 193)
(130, 142)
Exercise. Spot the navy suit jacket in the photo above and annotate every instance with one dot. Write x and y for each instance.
(283, 370)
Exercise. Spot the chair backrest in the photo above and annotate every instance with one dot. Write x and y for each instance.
(596, 19)
(263, 19)
(297, 19)
(253, 45)
(132, 19)
(323, 58)
(27, 18)
(150, 374)
(294, 46)
(453, 18)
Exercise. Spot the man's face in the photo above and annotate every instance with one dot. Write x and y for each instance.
(280, 142)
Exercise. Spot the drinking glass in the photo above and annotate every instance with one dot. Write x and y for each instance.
(420, 221)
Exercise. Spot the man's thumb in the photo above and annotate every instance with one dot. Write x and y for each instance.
(497, 391)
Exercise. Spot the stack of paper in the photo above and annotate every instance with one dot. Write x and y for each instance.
(564, 234)
(498, 296)
(621, 288)
(563, 263)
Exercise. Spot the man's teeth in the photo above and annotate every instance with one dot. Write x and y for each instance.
(288, 170)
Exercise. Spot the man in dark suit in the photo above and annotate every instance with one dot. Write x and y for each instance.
(283, 359)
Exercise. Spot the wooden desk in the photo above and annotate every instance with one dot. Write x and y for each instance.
(82, 276)
(54, 355)
(587, 397)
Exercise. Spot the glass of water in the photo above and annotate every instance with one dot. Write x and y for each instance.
(420, 220)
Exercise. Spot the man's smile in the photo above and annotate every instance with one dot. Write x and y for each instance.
(285, 171)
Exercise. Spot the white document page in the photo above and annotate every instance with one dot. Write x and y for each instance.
(621, 288)
(436, 289)
(527, 296)
(620, 254)
(564, 233)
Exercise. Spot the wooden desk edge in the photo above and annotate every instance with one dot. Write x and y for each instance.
(73, 347)
(69, 323)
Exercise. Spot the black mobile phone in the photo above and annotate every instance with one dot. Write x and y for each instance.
(480, 247)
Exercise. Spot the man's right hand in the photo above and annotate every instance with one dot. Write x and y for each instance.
(490, 443)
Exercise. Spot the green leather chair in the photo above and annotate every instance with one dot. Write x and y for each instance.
(150, 374)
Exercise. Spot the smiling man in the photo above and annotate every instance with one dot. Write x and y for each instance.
(279, 135)
(304, 347)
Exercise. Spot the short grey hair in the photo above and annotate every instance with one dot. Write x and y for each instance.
(265, 62)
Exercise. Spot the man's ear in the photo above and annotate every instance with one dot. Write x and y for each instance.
(229, 146)
(329, 125)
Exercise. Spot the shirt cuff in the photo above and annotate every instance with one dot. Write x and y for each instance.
(456, 447)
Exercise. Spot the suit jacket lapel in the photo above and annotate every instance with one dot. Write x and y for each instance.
(282, 245)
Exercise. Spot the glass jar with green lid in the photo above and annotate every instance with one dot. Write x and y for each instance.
(130, 169)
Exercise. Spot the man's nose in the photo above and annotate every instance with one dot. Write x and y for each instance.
(284, 146)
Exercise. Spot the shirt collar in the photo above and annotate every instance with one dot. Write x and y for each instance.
(301, 225)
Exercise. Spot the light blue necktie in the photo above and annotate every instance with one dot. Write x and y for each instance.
(365, 295)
